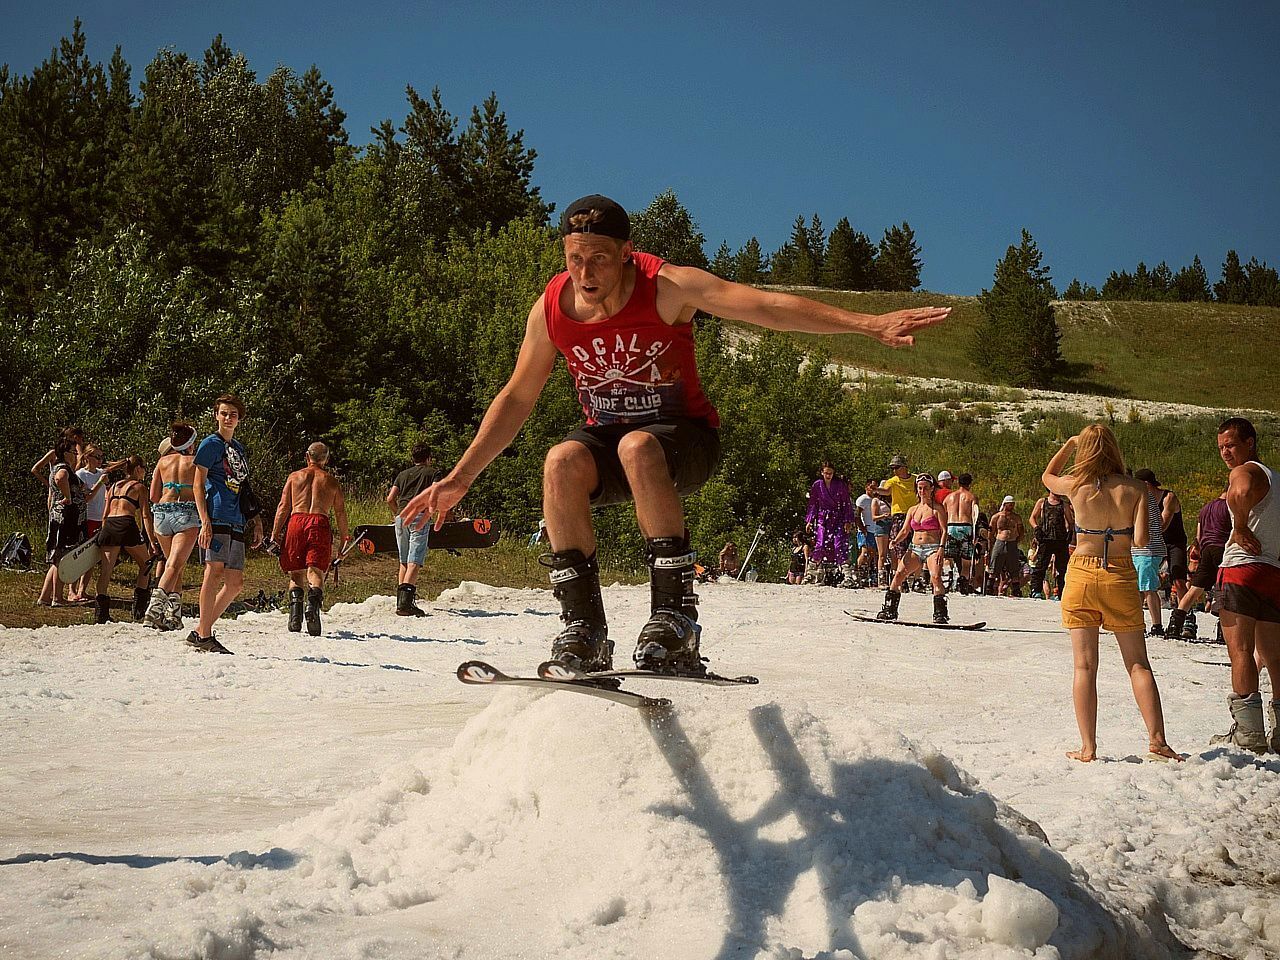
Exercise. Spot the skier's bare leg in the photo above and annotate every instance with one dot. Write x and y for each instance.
(569, 477)
(658, 508)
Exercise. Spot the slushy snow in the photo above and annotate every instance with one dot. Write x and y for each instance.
(886, 792)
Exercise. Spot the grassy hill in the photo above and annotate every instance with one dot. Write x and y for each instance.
(1210, 354)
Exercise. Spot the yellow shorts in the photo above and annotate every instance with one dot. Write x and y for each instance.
(1094, 597)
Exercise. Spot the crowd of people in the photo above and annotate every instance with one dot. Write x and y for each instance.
(1115, 545)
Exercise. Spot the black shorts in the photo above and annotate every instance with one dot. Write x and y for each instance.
(1177, 561)
(119, 532)
(692, 449)
(1206, 574)
(63, 534)
(1252, 590)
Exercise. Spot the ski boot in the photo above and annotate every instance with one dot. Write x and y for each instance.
(1176, 622)
(940, 609)
(406, 601)
(583, 645)
(1247, 730)
(964, 586)
(102, 607)
(171, 619)
(295, 609)
(155, 614)
(890, 609)
(205, 644)
(141, 599)
(1190, 629)
(668, 643)
(315, 596)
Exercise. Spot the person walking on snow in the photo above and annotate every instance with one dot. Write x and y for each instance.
(829, 516)
(622, 319)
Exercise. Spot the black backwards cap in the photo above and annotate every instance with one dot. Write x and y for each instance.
(610, 220)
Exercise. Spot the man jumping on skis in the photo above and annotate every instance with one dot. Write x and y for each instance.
(623, 322)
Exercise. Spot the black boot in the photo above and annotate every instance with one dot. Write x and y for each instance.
(583, 645)
(101, 608)
(406, 601)
(890, 609)
(141, 599)
(315, 596)
(295, 610)
(669, 641)
(940, 609)
(1176, 618)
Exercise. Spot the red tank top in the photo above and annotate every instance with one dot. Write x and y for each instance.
(631, 367)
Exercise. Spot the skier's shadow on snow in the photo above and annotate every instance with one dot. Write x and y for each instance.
(842, 836)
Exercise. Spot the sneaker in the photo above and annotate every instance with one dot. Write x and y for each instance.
(205, 644)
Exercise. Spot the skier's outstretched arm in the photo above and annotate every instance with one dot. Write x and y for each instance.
(783, 311)
(502, 421)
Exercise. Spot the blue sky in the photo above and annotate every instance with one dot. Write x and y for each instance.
(1114, 132)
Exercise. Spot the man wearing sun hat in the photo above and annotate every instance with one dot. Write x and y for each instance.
(622, 320)
(1006, 525)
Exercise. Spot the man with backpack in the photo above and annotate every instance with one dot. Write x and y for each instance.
(1052, 521)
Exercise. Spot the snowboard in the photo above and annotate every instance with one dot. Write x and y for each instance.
(915, 623)
(554, 670)
(79, 561)
(458, 535)
(483, 674)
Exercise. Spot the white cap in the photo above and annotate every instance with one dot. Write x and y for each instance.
(1006, 500)
(945, 475)
(165, 447)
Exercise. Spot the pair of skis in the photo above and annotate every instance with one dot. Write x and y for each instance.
(606, 685)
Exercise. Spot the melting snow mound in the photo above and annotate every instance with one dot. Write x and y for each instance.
(558, 827)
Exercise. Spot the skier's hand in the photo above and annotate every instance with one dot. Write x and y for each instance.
(435, 501)
(896, 329)
(1244, 539)
(206, 535)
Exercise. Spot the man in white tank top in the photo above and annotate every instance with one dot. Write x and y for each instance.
(1249, 587)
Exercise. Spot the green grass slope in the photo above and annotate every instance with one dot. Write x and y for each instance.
(1211, 354)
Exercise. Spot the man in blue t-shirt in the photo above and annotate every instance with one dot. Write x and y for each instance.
(222, 470)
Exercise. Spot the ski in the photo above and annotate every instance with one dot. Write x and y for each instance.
(915, 623)
(554, 670)
(481, 673)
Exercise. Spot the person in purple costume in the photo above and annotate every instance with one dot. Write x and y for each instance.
(830, 516)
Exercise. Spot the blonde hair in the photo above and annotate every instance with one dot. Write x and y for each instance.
(1097, 455)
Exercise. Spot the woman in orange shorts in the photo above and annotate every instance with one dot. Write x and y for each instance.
(1102, 585)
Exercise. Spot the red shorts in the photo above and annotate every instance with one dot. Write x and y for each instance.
(1251, 590)
(92, 526)
(308, 542)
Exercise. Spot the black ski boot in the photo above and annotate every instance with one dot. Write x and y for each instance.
(1190, 630)
(141, 599)
(964, 586)
(583, 644)
(1176, 619)
(102, 606)
(406, 601)
(940, 609)
(295, 609)
(890, 609)
(668, 643)
(315, 596)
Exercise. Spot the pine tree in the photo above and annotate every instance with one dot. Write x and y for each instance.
(850, 259)
(1234, 285)
(782, 264)
(1191, 283)
(898, 260)
(498, 171)
(666, 229)
(1018, 340)
(750, 266)
(1263, 284)
(803, 270)
(817, 247)
(724, 264)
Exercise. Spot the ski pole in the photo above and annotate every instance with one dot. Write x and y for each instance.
(754, 540)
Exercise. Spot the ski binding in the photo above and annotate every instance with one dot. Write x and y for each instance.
(555, 670)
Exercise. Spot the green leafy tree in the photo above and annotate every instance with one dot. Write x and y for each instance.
(1017, 340)
(666, 229)
(898, 259)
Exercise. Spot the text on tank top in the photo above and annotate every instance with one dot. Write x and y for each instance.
(1264, 522)
(631, 368)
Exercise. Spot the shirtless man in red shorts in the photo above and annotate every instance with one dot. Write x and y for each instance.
(307, 542)
(623, 321)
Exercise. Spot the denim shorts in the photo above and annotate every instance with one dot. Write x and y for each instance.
(412, 543)
(173, 518)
